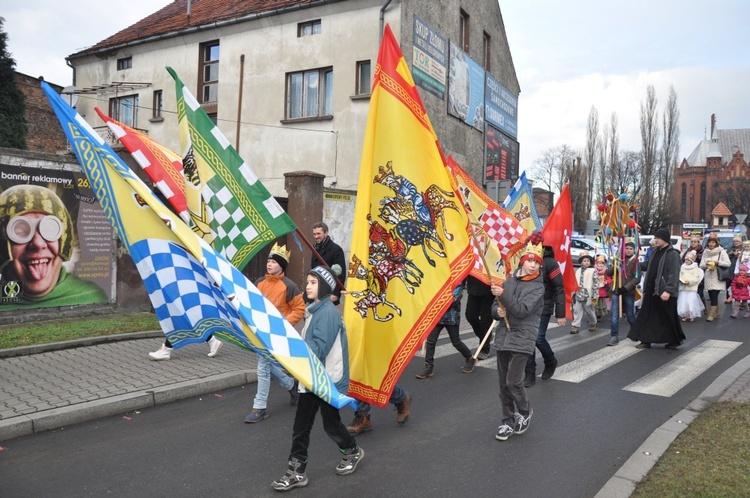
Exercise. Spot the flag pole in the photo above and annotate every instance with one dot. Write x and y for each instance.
(320, 258)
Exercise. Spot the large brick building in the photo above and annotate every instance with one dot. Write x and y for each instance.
(710, 174)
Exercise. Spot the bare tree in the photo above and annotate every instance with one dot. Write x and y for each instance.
(649, 138)
(668, 210)
(589, 157)
(577, 176)
(549, 170)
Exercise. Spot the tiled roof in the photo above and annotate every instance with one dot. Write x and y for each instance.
(721, 210)
(729, 142)
(173, 18)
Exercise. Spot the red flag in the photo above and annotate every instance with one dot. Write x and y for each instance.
(558, 231)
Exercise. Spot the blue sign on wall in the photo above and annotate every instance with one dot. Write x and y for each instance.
(466, 89)
(501, 107)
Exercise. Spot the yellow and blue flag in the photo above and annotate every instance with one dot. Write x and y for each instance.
(195, 291)
(520, 202)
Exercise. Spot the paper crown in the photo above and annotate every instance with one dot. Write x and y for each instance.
(280, 251)
(533, 251)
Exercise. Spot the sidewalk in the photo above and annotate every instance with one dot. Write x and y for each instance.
(43, 389)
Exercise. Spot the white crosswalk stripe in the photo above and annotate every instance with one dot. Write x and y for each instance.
(591, 364)
(679, 372)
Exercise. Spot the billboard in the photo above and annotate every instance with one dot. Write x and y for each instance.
(501, 155)
(56, 245)
(429, 59)
(466, 88)
(501, 107)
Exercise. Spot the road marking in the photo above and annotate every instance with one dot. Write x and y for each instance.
(678, 373)
(586, 366)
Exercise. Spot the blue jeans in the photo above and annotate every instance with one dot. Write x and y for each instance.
(542, 345)
(628, 304)
(397, 396)
(265, 370)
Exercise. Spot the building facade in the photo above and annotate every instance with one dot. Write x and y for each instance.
(715, 172)
(288, 82)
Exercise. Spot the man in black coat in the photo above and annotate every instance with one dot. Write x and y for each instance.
(332, 254)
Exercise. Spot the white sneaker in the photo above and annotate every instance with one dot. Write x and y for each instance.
(215, 345)
(164, 353)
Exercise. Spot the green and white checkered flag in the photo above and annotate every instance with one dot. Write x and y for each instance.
(229, 206)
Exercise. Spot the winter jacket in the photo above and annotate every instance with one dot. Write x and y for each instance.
(554, 288)
(284, 294)
(627, 280)
(711, 279)
(691, 274)
(453, 315)
(332, 254)
(667, 273)
(523, 301)
(740, 290)
(325, 334)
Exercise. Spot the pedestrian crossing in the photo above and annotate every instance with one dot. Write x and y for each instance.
(664, 381)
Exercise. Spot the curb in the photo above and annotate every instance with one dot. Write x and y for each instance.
(623, 483)
(77, 343)
(60, 417)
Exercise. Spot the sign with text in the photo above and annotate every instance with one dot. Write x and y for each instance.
(56, 245)
(501, 107)
(466, 88)
(501, 156)
(429, 59)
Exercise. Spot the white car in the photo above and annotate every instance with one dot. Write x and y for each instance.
(646, 243)
(579, 246)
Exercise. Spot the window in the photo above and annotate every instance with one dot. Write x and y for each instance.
(310, 93)
(158, 99)
(364, 79)
(463, 31)
(213, 117)
(124, 63)
(124, 110)
(209, 76)
(486, 52)
(308, 28)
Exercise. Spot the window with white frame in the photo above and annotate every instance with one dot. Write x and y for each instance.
(364, 78)
(310, 93)
(209, 76)
(125, 110)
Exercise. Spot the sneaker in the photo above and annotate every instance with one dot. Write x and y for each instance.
(592, 327)
(214, 346)
(351, 459)
(426, 371)
(360, 424)
(504, 432)
(530, 378)
(483, 355)
(613, 341)
(522, 423)
(643, 345)
(403, 409)
(163, 353)
(293, 477)
(256, 415)
(471, 362)
(294, 393)
(549, 370)
(573, 330)
(747, 314)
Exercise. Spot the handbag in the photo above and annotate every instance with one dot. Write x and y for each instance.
(726, 274)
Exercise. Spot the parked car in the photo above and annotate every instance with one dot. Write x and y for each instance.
(676, 241)
(725, 238)
(580, 245)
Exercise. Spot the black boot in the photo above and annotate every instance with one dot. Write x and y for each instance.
(549, 370)
(530, 378)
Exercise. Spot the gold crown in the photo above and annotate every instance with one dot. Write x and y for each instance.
(536, 249)
(281, 251)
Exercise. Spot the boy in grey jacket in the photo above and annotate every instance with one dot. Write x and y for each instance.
(517, 308)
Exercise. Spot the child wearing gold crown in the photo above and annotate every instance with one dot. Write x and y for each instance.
(518, 308)
(286, 296)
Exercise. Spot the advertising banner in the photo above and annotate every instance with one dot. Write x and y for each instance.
(501, 107)
(429, 61)
(501, 156)
(56, 245)
(466, 89)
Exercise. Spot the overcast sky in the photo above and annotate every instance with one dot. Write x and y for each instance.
(569, 56)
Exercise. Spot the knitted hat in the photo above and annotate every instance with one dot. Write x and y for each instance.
(630, 244)
(662, 234)
(22, 199)
(280, 255)
(585, 255)
(326, 280)
(743, 267)
(691, 255)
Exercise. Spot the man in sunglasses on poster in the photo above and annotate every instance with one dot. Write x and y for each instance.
(36, 237)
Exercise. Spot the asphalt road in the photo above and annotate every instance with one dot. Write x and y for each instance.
(581, 432)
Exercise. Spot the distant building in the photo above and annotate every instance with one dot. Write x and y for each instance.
(704, 178)
(43, 131)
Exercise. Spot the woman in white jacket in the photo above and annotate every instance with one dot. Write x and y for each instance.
(714, 258)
